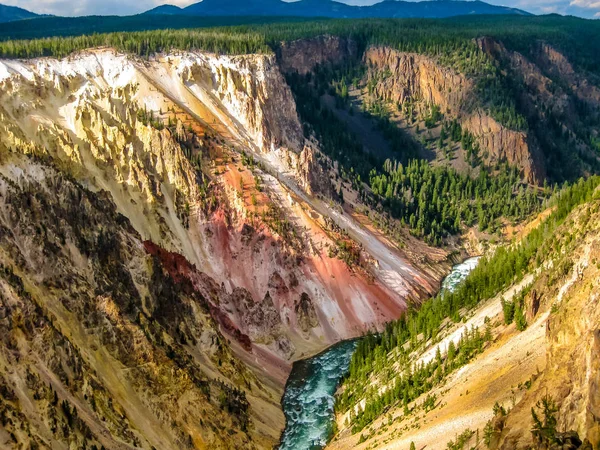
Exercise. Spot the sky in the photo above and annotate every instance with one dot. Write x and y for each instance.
(582, 8)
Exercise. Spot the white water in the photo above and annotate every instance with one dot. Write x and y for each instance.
(309, 398)
(309, 394)
(459, 273)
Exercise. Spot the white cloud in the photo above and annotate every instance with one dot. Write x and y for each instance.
(591, 4)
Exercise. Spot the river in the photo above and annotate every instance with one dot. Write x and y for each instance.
(308, 398)
(459, 272)
(309, 393)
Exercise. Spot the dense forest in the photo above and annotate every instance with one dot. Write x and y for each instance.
(142, 43)
(505, 267)
(436, 201)
(46, 27)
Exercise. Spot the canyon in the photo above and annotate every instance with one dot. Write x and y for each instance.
(244, 249)
(172, 240)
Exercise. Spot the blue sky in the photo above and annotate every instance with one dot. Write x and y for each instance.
(583, 8)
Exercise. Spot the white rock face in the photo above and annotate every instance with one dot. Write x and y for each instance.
(91, 115)
(82, 110)
(246, 93)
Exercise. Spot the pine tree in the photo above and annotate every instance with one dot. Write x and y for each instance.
(508, 308)
(520, 320)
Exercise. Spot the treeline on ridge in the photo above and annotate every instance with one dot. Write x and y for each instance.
(578, 38)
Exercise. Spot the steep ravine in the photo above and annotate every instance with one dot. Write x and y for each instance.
(160, 141)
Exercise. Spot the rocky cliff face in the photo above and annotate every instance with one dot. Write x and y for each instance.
(413, 76)
(303, 55)
(570, 377)
(101, 346)
(559, 102)
(489, 401)
(558, 66)
(253, 91)
(186, 246)
(408, 76)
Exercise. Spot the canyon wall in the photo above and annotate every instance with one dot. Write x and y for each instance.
(199, 163)
(410, 76)
(303, 55)
(101, 346)
(551, 358)
(561, 103)
(571, 377)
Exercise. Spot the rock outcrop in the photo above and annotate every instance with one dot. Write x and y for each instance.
(305, 311)
(499, 144)
(254, 93)
(549, 366)
(558, 66)
(559, 103)
(99, 345)
(412, 76)
(303, 55)
(187, 244)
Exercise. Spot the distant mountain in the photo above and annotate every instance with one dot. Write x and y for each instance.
(165, 10)
(439, 8)
(333, 9)
(12, 13)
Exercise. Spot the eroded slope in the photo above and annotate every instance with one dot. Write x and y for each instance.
(533, 342)
(203, 239)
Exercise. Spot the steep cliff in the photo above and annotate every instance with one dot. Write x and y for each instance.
(213, 226)
(561, 104)
(100, 345)
(422, 80)
(303, 55)
(568, 293)
(543, 360)
(558, 65)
